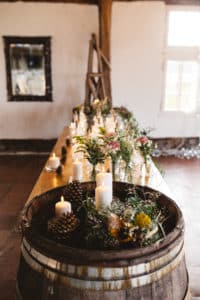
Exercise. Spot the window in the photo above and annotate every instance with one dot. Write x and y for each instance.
(182, 65)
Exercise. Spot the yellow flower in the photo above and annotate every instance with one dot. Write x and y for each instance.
(142, 220)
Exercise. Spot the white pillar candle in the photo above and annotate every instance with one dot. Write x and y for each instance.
(143, 174)
(103, 196)
(77, 171)
(53, 161)
(62, 207)
(104, 178)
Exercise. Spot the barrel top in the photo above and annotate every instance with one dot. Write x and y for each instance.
(120, 257)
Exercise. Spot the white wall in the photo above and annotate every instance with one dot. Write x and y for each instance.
(70, 27)
(138, 30)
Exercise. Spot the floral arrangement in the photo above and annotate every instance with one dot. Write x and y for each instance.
(117, 145)
(103, 106)
(111, 142)
(92, 149)
(126, 151)
(114, 145)
(124, 113)
(135, 221)
(129, 120)
(145, 145)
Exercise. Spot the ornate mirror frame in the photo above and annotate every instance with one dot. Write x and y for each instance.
(46, 42)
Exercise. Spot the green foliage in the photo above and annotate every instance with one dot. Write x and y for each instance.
(126, 148)
(144, 144)
(124, 113)
(103, 106)
(98, 236)
(92, 149)
(96, 229)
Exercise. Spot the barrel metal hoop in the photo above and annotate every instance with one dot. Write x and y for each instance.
(96, 272)
(99, 278)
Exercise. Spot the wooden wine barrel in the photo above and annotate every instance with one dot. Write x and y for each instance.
(49, 270)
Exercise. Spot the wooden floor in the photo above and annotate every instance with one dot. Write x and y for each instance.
(17, 177)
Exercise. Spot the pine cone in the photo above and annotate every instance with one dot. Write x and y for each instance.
(61, 228)
(74, 194)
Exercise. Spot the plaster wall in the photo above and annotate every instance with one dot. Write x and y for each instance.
(138, 44)
(70, 27)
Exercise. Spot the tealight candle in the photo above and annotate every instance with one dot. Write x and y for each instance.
(53, 161)
(104, 178)
(77, 171)
(103, 196)
(62, 207)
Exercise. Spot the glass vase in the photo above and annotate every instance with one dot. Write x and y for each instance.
(128, 173)
(114, 170)
(93, 173)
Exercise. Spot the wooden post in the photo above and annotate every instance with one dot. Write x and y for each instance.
(105, 11)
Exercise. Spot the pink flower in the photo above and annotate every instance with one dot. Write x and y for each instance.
(143, 140)
(114, 145)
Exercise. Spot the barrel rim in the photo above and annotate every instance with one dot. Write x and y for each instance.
(76, 254)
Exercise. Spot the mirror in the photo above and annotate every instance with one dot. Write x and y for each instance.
(28, 68)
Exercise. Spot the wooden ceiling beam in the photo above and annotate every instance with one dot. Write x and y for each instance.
(170, 2)
(96, 2)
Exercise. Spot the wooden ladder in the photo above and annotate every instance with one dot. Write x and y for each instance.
(95, 81)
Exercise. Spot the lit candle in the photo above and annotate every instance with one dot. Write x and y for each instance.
(103, 196)
(53, 161)
(104, 178)
(77, 171)
(62, 207)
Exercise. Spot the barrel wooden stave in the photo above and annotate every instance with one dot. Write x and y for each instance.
(172, 286)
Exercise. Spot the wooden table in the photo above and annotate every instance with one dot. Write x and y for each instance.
(49, 180)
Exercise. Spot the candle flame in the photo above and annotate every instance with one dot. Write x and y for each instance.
(62, 198)
(53, 155)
